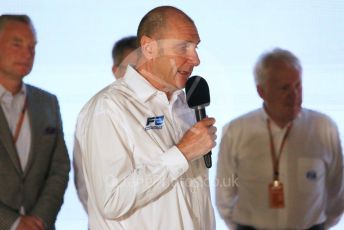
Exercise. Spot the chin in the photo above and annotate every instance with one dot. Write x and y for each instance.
(294, 114)
(24, 72)
(181, 83)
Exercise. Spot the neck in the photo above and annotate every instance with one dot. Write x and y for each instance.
(12, 86)
(156, 82)
(280, 123)
(277, 120)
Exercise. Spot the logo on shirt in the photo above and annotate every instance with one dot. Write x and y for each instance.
(311, 175)
(154, 122)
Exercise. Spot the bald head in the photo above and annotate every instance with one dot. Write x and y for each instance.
(168, 40)
(155, 22)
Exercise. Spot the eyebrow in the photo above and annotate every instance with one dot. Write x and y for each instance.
(17, 39)
(188, 41)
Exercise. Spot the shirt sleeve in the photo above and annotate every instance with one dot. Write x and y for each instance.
(79, 180)
(335, 181)
(226, 190)
(117, 185)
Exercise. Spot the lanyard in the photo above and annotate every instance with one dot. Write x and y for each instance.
(20, 122)
(276, 158)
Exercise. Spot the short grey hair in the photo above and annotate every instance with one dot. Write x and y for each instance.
(4, 18)
(267, 61)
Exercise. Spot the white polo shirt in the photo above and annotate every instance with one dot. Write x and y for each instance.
(311, 170)
(136, 177)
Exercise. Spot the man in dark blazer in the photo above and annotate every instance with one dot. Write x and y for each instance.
(34, 163)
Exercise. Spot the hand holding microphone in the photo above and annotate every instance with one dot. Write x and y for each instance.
(200, 139)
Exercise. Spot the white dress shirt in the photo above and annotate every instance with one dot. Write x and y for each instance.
(136, 177)
(12, 106)
(79, 180)
(311, 170)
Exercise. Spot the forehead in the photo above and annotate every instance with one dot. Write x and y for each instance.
(284, 73)
(14, 30)
(180, 28)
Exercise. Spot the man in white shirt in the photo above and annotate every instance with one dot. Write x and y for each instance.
(123, 53)
(141, 146)
(286, 160)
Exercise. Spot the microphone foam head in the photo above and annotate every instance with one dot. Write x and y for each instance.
(197, 92)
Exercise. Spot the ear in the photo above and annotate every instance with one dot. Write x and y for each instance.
(261, 92)
(114, 70)
(149, 47)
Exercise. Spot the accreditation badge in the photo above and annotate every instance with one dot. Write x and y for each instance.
(276, 194)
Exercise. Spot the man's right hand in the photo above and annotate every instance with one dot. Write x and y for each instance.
(199, 139)
(30, 223)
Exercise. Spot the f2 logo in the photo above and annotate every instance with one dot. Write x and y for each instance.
(154, 122)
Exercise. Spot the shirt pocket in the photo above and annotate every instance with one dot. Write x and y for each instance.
(311, 176)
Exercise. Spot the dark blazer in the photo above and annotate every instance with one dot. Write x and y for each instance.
(41, 186)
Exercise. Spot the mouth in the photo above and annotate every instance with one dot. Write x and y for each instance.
(293, 108)
(184, 73)
(27, 65)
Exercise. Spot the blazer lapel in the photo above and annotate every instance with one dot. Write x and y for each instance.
(7, 142)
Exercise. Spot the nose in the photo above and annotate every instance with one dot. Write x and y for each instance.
(29, 53)
(193, 58)
(295, 92)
